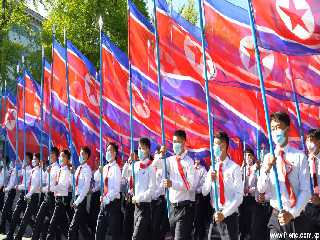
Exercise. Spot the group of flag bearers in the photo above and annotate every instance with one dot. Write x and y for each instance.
(151, 196)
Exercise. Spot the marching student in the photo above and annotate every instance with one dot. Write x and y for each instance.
(312, 211)
(32, 197)
(159, 218)
(83, 177)
(202, 202)
(47, 205)
(181, 186)
(10, 189)
(227, 175)
(128, 207)
(293, 178)
(21, 204)
(248, 205)
(144, 187)
(110, 211)
(95, 195)
(60, 188)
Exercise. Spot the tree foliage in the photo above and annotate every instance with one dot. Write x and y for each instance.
(190, 12)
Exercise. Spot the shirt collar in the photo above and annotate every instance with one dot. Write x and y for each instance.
(182, 156)
(112, 163)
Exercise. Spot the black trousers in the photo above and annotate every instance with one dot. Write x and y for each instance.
(7, 210)
(94, 210)
(228, 229)
(246, 215)
(159, 217)
(127, 229)
(2, 194)
(260, 221)
(181, 220)
(15, 220)
(202, 216)
(80, 222)
(312, 214)
(109, 218)
(59, 221)
(43, 217)
(31, 210)
(295, 226)
(142, 221)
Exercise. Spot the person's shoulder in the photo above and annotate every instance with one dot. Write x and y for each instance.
(232, 164)
(297, 152)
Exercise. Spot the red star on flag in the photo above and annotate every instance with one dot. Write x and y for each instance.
(197, 53)
(295, 15)
(252, 60)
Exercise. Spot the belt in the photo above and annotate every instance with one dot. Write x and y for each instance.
(143, 204)
(183, 204)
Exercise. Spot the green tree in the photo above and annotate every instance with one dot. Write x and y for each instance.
(15, 25)
(190, 12)
(80, 19)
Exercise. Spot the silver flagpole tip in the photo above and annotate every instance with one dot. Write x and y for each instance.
(100, 23)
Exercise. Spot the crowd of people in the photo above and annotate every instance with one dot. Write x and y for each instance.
(153, 196)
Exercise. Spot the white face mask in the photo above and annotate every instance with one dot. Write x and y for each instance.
(34, 163)
(311, 147)
(278, 137)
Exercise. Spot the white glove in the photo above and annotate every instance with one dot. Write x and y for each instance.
(28, 196)
(106, 200)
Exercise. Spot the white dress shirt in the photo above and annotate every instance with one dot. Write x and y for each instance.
(298, 177)
(33, 185)
(317, 165)
(160, 190)
(145, 180)
(55, 167)
(250, 179)
(113, 173)
(178, 192)
(96, 181)
(200, 174)
(62, 182)
(84, 175)
(12, 179)
(24, 173)
(233, 186)
(2, 175)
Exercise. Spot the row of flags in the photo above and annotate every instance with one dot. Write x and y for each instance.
(288, 37)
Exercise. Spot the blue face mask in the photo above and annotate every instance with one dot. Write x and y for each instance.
(60, 160)
(141, 154)
(108, 156)
(177, 148)
(81, 159)
(217, 150)
(278, 137)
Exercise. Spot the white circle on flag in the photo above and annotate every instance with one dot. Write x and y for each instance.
(247, 55)
(36, 108)
(297, 17)
(90, 90)
(10, 119)
(193, 53)
(139, 104)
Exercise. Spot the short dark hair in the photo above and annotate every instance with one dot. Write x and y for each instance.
(223, 136)
(55, 151)
(87, 150)
(145, 141)
(29, 155)
(67, 153)
(280, 117)
(114, 146)
(314, 133)
(180, 133)
(37, 155)
(249, 150)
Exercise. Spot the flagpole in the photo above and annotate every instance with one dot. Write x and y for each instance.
(41, 113)
(130, 97)
(50, 96)
(24, 126)
(163, 136)
(69, 112)
(296, 101)
(101, 107)
(257, 135)
(17, 131)
(264, 100)
(210, 123)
